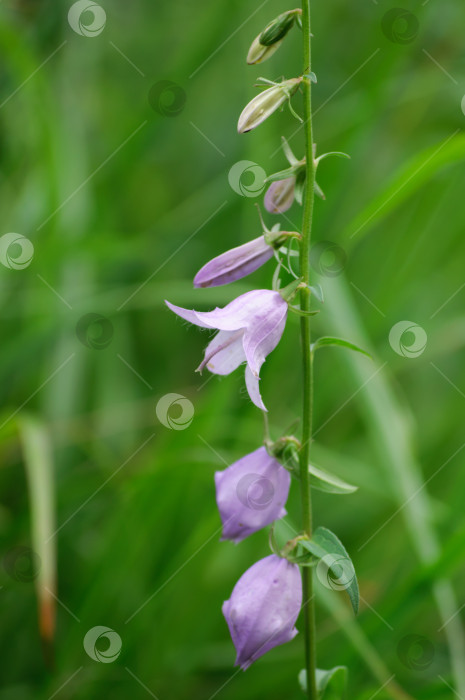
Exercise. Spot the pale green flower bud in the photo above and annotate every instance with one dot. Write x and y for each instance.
(264, 104)
(278, 28)
(258, 52)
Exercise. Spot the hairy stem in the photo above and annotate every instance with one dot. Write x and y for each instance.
(307, 575)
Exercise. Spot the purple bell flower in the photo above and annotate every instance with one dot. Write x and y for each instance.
(234, 264)
(251, 494)
(279, 196)
(263, 608)
(250, 327)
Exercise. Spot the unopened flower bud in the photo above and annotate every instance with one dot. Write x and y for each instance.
(280, 196)
(258, 52)
(251, 494)
(234, 264)
(278, 28)
(266, 103)
(263, 608)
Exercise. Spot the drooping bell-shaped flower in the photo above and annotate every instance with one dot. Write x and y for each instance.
(234, 264)
(279, 196)
(251, 493)
(250, 327)
(264, 104)
(263, 608)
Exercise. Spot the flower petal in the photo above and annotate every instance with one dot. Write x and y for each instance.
(263, 336)
(239, 313)
(186, 314)
(251, 382)
(224, 353)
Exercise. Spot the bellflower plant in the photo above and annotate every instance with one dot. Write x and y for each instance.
(251, 493)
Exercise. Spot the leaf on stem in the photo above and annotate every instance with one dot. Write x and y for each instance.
(331, 684)
(329, 483)
(326, 340)
(335, 569)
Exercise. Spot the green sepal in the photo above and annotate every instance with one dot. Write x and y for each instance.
(300, 186)
(277, 28)
(331, 685)
(319, 192)
(301, 312)
(328, 548)
(292, 171)
(338, 154)
(290, 290)
(317, 291)
(326, 340)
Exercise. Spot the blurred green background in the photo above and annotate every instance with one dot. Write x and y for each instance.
(122, 188)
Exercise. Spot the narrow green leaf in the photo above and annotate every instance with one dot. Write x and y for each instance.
(335, 569)
(326, 340)
(331, 684)
(323, 481)
(38, 462)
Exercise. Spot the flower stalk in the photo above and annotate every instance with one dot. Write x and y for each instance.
(307, 357)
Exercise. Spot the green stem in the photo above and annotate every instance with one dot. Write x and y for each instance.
(307, 574)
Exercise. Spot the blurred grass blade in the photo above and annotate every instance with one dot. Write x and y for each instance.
(391, 428)
(408, 179)
(38, 462)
